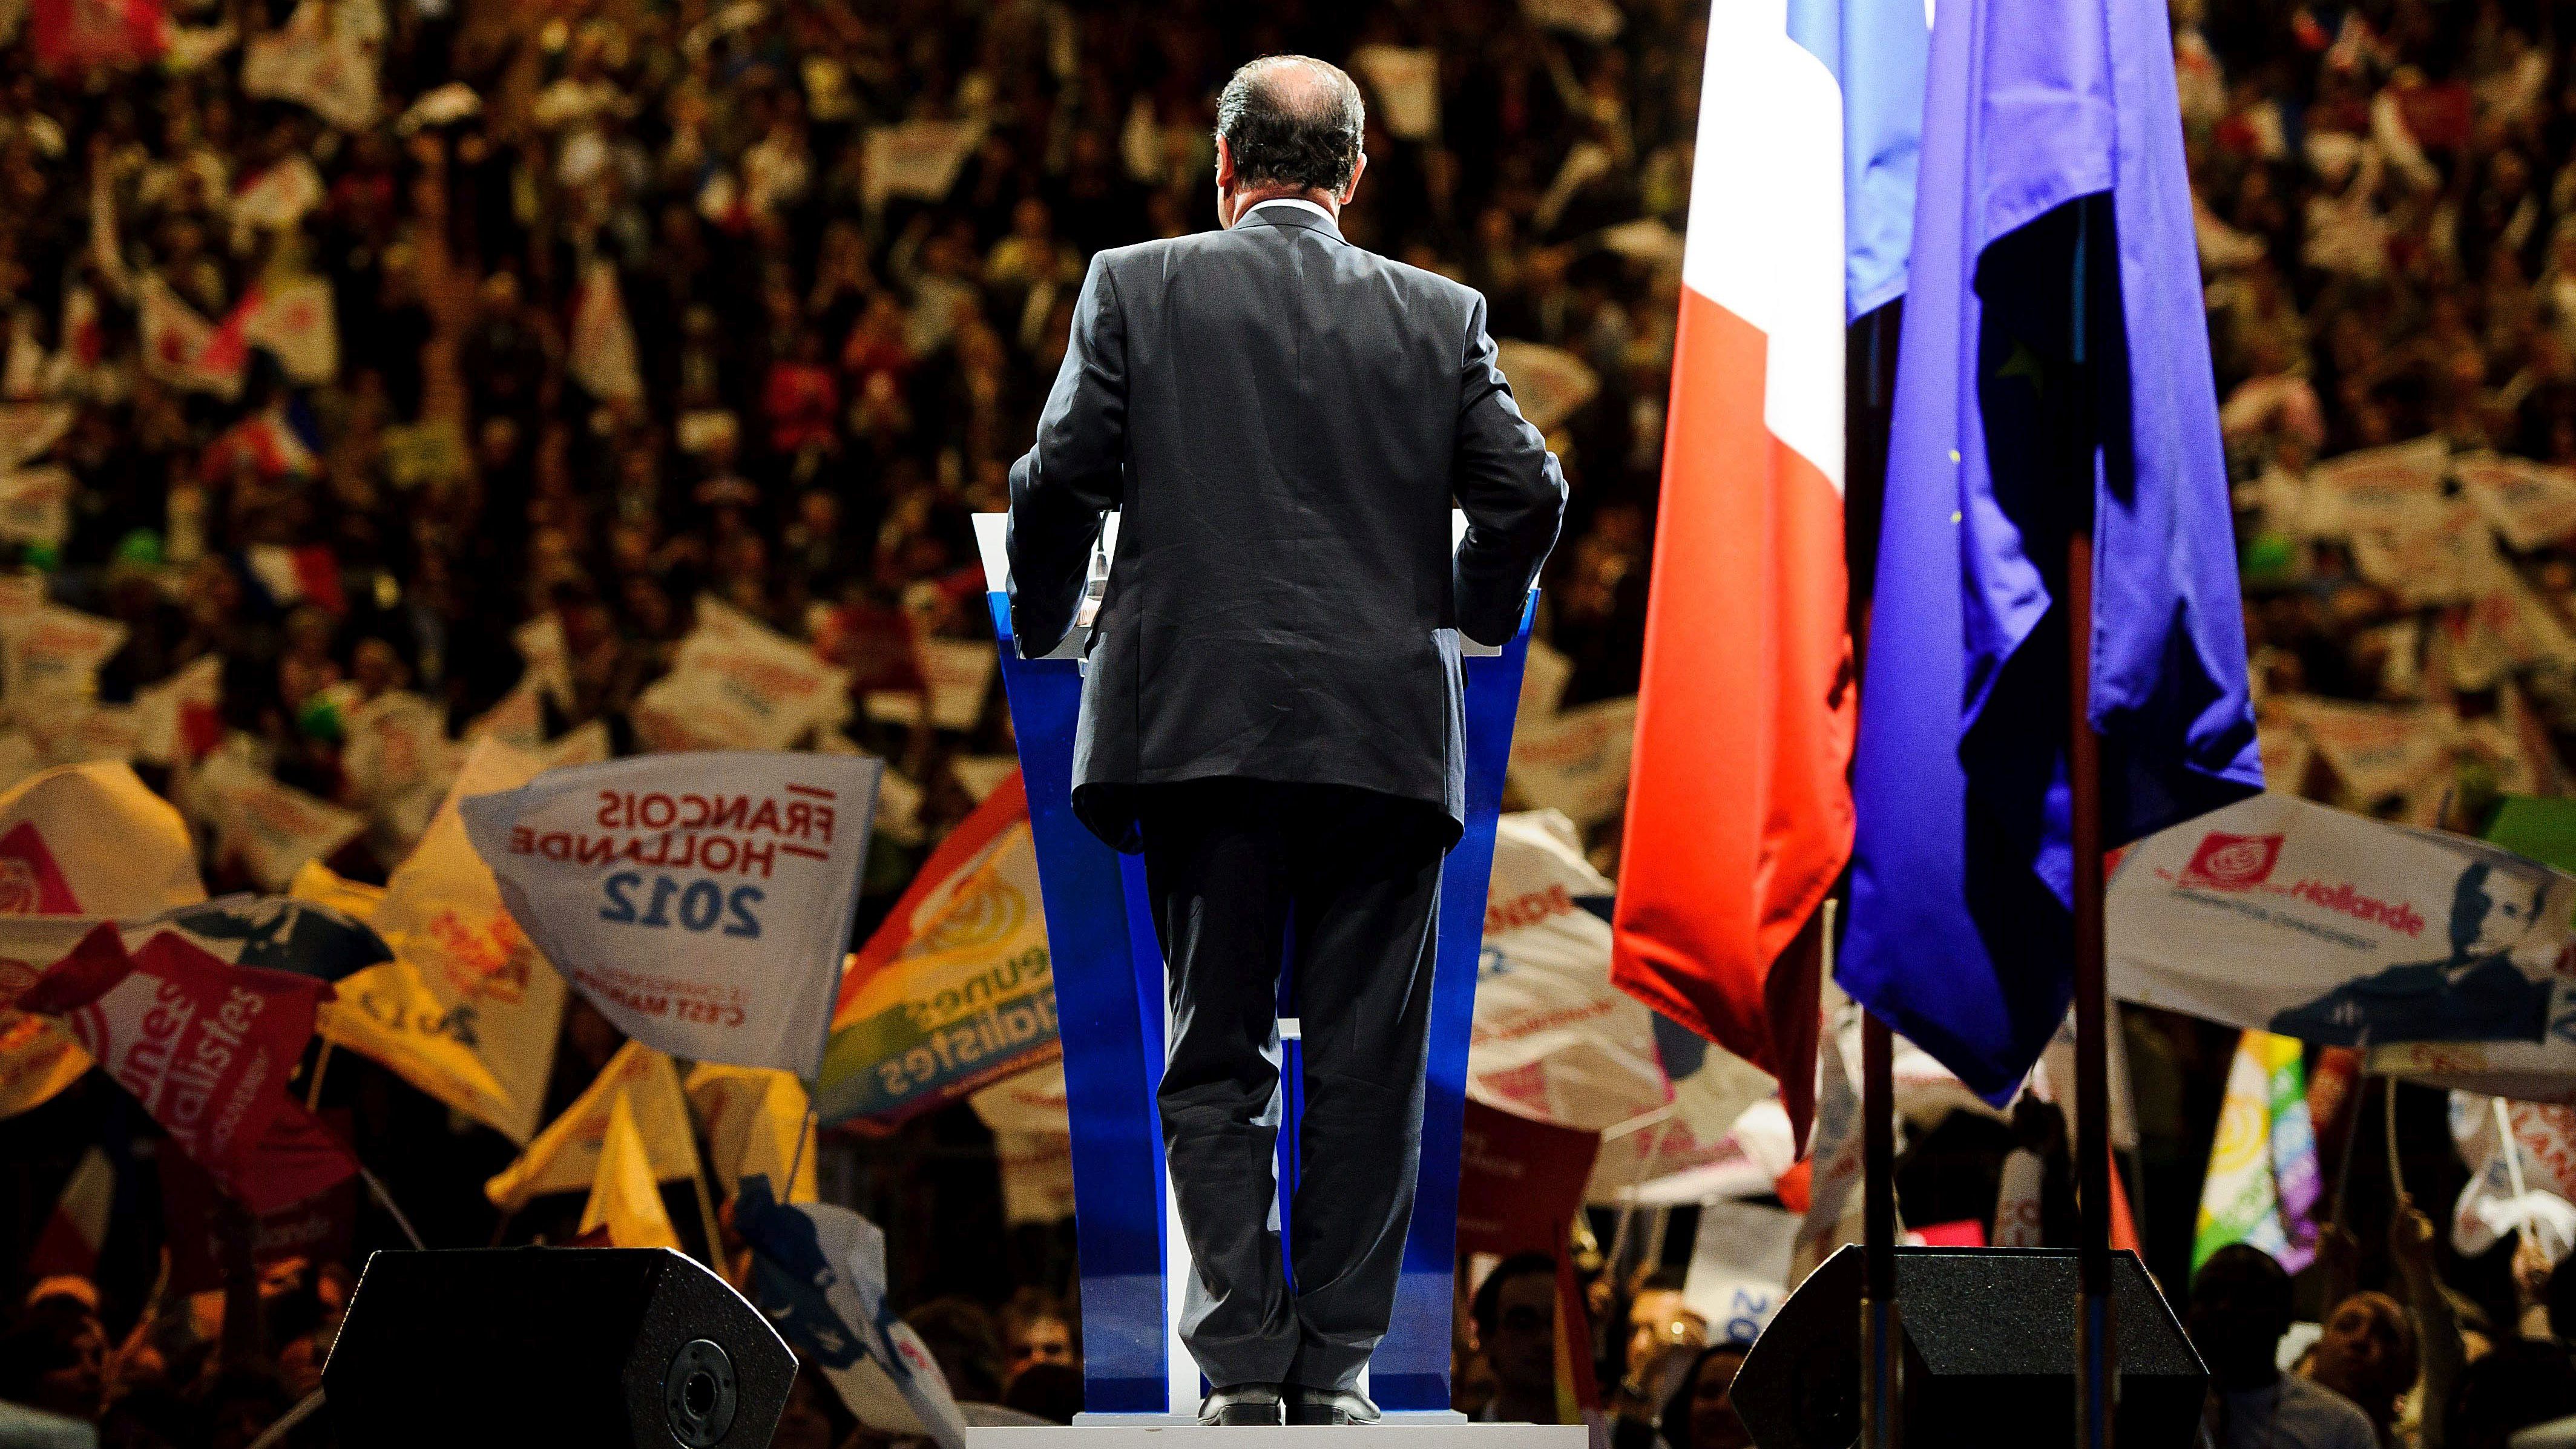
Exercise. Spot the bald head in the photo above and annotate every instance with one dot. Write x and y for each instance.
(1292, 122)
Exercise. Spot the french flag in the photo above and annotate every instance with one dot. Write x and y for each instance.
(1739, 800)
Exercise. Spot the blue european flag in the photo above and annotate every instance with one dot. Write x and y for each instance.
(2053, 344)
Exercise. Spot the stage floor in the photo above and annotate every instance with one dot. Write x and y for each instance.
(1408, 1433)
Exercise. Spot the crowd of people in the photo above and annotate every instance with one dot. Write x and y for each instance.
(2386, 213)
(344, 339)
(636, 306)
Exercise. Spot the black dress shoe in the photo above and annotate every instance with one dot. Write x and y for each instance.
(1330, 1406)
(1242, 1404)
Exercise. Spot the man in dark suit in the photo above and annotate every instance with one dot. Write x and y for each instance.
(1270, 702)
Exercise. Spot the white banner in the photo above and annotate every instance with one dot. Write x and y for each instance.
(918, 159)
(2434, 551)
(2506, 631)
(956, 673)
(702, 902)
(1553, 1039)
(738, 684)
(1577, 762)
(2377, 487)
(2376, 750)
(35, 505)
(2531, 504)
(2277, 914)
(1033, 1136)
(50, 659)
(274, 828)
(1739, 1268)
(180, 717)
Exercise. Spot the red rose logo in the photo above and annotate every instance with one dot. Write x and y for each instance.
(2232, 862)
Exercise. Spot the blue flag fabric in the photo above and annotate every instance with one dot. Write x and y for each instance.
(1877, 51)
(2042, 330)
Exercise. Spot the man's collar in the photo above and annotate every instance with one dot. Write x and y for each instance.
(1291, 211)
(1299, 202)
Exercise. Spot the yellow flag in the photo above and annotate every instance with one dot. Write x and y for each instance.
(467, 1010)
(324, 886)
(757, 1125)
(565, 1157)
(624, 1197)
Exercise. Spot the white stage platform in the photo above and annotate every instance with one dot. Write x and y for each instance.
(1142, 1432)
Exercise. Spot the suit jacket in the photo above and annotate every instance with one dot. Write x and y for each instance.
(1283, 419)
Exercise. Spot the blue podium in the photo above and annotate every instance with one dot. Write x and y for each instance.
(1110, 1009)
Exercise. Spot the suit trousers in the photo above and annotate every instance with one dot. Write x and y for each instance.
(1339, 888)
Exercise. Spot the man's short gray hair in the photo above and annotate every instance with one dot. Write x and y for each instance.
(1292, 120)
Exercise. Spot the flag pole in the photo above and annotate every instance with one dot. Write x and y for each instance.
(2097, 1383)
(1880, 1332)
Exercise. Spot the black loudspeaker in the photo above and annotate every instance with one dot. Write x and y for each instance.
(565, 1348)
(1989, 1356)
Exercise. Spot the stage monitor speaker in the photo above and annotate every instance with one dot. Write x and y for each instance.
(566, 1348)
(1989, 1355)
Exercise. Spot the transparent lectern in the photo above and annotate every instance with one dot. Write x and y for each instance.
(1110, 1012)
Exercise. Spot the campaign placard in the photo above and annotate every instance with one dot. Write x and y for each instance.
(702, 901)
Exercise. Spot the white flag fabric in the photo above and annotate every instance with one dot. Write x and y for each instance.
(542, 648)
(1033, 1137)
(2376, 488)
(35, 505)
(274, 828)
(27, 429)
(2017, 1201)
(917, 158)
(180, 718)
(1553, 1039)
(1577, 761)
(702, 902)
(956, 675)
(176, 342)
(735, 683)
(50, 658)
(2531, 504)
(293, 320)
(320, 58)
(1739, 1268)
(2488, 1210)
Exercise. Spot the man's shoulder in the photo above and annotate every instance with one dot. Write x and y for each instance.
(1422, 279)
(1122, 259)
